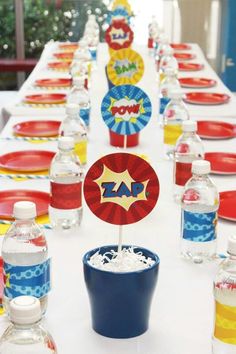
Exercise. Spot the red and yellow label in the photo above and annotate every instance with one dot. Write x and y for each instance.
(171, 133)
(225, 323)
(81, 151)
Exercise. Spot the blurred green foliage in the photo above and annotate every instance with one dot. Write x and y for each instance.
(44, 20)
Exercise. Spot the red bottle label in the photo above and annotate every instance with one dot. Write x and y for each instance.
(182, 173)
(66, 196)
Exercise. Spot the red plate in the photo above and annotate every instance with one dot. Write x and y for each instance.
(64, 55)
(223, 163)
(215, 130)
(205, 98)
(37, 128)
(227, 209)
(69, 46)
(190, 66)
(53, 82)
(196, 82)
(9, 197)
(27, 161)
(180, 46)
(46, 98)
(59, 65)
(184, 56)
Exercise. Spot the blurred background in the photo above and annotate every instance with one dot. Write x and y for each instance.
(26, 25)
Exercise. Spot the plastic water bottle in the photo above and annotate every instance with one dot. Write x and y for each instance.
(169, 84)
(25, 334)
(25, 257)
(167, 61)
(79, 95)
(188, 148)
(83, 56)
(200, 203)
(73, 126)
(224, 337)
(66, 174)
(174, 115)
(153, 31)
(161, 49)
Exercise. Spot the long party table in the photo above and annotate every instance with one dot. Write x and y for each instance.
(181, 320)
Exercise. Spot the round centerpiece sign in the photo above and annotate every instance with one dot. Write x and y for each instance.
(119, 35)
(121, 188)
(126, 109)
(125, 67)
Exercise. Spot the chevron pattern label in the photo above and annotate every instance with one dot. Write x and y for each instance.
(225, 323)
(199, 227)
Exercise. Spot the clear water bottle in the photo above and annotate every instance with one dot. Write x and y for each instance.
(163, 45)
(174, 115)
(167, 61)
(199, 203)
(79, 95)
(167, 85)
(73, 126)
(66, 174)
(25, 257)
(153, 32)
(25, 334)
(224, 337)
(188, 148)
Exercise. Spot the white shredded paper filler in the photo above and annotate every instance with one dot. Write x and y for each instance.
(125, 261)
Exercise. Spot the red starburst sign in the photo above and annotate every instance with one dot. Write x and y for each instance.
(119, 35)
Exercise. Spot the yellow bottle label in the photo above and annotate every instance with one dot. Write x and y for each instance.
(172, 133)
(162, 77)
(81, 151)
(225, 323)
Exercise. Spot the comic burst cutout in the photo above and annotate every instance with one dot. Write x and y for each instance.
(126, 109)
(121, 188)
(119, 35)
(125, 67)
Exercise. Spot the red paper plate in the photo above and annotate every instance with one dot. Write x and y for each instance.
(53, 82)
(215, 130)
(64, 55)
(190, 66)
(205, 98)
(60, 65)
(27, 161)
(37, 128)
(227, 209)
(180, 46)
(223, 163)
(9, 197)
(69, 46)
(46, 98)
(196, 82)
(184, 56)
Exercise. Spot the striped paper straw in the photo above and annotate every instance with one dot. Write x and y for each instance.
(29, 138)
(13, 176)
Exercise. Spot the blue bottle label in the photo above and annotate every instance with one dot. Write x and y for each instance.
(85, 115)
(163, 103)
(93, 53)
(199, 227)
(27, 280)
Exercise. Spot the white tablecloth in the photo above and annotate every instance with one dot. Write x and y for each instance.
(181, 319)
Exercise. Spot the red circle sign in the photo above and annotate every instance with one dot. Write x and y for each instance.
(121, 188)
(119, 35)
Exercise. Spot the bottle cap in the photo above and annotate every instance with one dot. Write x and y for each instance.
(201, 167)
(24, 210)
(176, 94)
(232, 245)
(25, 310)
(66, 142)
(78, 81)
(72, 108)
(189, 126)
(169, 71)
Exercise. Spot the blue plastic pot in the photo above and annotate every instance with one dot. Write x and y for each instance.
(120, 302)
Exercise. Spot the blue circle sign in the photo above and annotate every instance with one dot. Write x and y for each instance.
(126, 109)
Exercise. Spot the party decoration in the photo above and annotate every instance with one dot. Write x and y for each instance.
(121, 188)
(125, 67)
(119, 35)
(126, 109)
(122, 4)
(118, 14)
